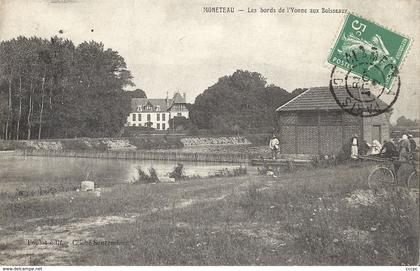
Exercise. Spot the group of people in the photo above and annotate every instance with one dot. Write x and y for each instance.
(403, 148)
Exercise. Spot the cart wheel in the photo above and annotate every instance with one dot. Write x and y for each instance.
(413, 183)
(381, 177)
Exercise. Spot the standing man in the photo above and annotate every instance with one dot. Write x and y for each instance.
(405, 148)
(354, 148)
(413, 144)
(404, 153)
(274, 146)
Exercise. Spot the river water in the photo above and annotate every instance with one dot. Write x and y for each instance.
(18, 170)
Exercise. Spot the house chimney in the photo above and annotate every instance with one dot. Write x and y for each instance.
(184, 96)
(167, 103)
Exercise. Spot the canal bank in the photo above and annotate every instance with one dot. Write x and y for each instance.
(164, 155)
(177, 156)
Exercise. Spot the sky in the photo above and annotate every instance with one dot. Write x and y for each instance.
(174, 46)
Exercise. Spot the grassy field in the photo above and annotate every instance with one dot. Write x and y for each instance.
(311, 217)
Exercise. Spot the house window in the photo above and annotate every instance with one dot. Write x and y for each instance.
(139, 117)
(148, 107)
(163, 126)
(138, 108)
(148, 117)
(157, 108)
(179, 114)
(158, 126)
(134, 117)
(163, 117)
(158, 117)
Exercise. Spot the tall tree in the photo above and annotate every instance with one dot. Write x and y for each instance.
(239, 101)
(137, 93)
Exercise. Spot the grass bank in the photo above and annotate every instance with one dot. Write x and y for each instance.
(312, 217)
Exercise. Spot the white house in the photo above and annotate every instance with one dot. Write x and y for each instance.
(157, 112)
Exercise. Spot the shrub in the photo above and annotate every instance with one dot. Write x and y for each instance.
(150, 143)
(143, 177)
(74, 144)
(178, 172)
(239, 171)
(153, 175)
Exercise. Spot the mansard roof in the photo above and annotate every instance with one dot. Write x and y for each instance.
(164, 104)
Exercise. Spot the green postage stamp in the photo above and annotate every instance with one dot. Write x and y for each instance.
(369, 50)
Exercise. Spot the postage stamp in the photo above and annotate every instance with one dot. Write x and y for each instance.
(362, 41)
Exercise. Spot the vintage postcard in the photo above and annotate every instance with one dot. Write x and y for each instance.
(209, 133)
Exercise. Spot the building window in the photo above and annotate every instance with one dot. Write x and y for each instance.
(148, 117)
(163, 126)
(158, 126)
(163, 117)
(157, 108)
(158, 117)
(139, 108)
(149, 107)
(139, 117)
(134, 117)
(179, 114)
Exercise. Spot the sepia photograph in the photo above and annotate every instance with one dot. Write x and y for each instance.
(209, 133)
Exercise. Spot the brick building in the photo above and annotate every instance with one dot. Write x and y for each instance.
(313, 123)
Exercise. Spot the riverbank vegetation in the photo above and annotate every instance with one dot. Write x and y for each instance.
(311, 217)
(144, 177)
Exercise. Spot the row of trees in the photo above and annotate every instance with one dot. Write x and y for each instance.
(52, 89)
(55, 89)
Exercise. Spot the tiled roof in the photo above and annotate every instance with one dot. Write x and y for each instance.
(164, 106)
(178, 99)
(136, 102)
(319, 98)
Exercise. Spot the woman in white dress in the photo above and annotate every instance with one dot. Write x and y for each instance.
(354, 147)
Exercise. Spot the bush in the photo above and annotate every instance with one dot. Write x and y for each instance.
(153, 175)
(239, 171)
(143, 177)
(99, 145)
(178, 172)
(8, 145)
